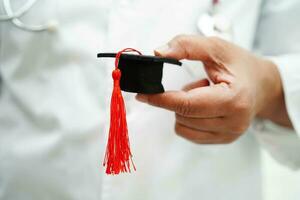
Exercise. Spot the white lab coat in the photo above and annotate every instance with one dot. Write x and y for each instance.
(55, 95)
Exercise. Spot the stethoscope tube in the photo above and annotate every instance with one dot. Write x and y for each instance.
(14, 17)
(18, 13)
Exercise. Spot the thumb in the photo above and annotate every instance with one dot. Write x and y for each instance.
(196, 47)
(196, 84)
(190, 47)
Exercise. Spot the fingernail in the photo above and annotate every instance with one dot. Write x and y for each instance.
(162, 49)
(142, 98)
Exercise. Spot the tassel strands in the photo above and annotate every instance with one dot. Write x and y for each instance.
(118, 157)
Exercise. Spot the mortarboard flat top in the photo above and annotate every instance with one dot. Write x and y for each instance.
(140, 73)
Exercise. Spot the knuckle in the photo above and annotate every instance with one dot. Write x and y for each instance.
(211, 138)
(199, 142)
(240, 118)
(216, 43)
(156, 100)
(214, 39)
(177, 129)
(180, 38)
(241, 107)
(184, 107)
(205, 142)
(240, 128)
(240, 104)
(217, 47)
(181, 41)
(231, 139)
(178, 118)
(228, 141)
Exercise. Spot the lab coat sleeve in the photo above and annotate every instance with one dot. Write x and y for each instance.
(278, 38)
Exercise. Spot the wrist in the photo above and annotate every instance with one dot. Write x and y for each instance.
(269, 87)
(272, 103)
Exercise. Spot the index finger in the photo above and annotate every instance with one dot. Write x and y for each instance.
(203, 102)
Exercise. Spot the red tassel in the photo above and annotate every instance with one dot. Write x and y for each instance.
(118, 157)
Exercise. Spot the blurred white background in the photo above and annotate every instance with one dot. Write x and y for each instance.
(279, 182)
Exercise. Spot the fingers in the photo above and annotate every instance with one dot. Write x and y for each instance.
(204, 137)
(170, 100)
(203, 102)
(196, 84)
(205, 124)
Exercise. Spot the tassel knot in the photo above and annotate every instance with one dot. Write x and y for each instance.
(116, 75)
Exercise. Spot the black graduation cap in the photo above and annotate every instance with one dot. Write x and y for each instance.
(141, 73)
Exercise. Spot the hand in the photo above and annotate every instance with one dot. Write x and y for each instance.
(244, 86)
